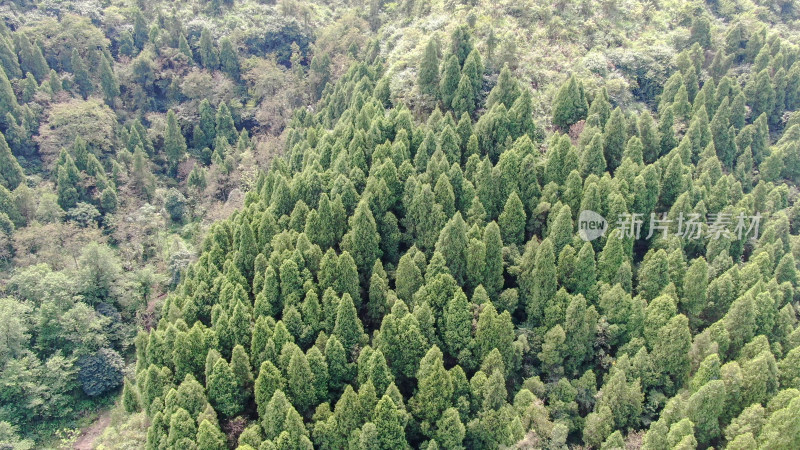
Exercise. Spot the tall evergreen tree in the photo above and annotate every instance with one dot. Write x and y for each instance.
(493, 276)
(363, 240)
(348, 329)
(81, 74)
(229, 60)
(505, 91)
(512, 220)
(174, 142)
(108, 81)
(449, 81)
(428, 71)
(8, 101)
(570, 104)
(463, 97)
(452, 244)
(8, 60)
(614, 140)
(11, 174)
(31, 59)
(67, 184)
(225, 127)
(208, 54)
(224, 392)
(593, 160)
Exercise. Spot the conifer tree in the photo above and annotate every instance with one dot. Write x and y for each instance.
(720, 130)
(512, 220)
(208, 54)
(8, 101)
(31, 59)
(408, 278)
(348, 326)
(225, 127)
(648, 134)
(452, 245)
(210, 437)
(11, 174)
(183, 47)
(505, 91)
(182, 429)
(761, 94)
(570, 105)
(695, 286)
(81, 74)
(473, 68)
(666, 130)
(493, 276)
(435, 389)
(653, 275)
(463, 97)
(704, 408)
(300, 384)
(389, 425)
(521, 115)
(363, 240)
(269, 381)
(601, 107)
(428, 71)
(347, 281)
(229, 60)
(451, 74)
(140, 31)
(174, 142)
(542, 283)
(224, 392)
(614, 139)
(108, 81)
(67, 185)
(593, 160)
(206, 125)
(671, 350)
(8, 60)
(130, 397)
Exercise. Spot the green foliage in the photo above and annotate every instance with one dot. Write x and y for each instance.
(11, 174)
(428, 71)
(100, 372)
(570, 105)
(397, 276)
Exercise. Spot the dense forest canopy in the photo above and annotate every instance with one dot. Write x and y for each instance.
(258, 225)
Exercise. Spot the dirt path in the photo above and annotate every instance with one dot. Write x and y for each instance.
(93, 431)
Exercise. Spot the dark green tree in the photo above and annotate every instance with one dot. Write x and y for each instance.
(451, 74)
(362, 241)
(208, 54)
(348, 328)
(493, 276)
(108, 81)
(463, 97)
(505, 91)
(428, 71)
(225, 127)
(229, 59)
(224, 392)
(81, 74)
(11, 173)
(512, 221)
(570, 105)
(614, 139)
(174, 142)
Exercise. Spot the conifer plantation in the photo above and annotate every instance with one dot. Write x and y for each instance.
(312, 225)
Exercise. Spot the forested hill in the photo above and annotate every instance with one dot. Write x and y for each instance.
(376, 234)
